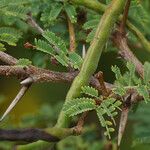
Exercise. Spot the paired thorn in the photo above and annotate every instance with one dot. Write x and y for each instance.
(122, 125)
(124, 117)
(26, 84)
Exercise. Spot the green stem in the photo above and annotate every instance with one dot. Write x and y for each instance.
(94, 52)
(99, 7)
(142, 39)
(92, 4)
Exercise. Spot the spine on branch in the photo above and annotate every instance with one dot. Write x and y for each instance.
(94, 52)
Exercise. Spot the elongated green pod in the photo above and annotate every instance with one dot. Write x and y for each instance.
(91, 60)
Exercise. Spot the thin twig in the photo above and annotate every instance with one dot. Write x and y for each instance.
(33, 23)
(7, 58)
(26, 135)
(125, 17)
(80, 123)
(71, 35)
(100, 78)
(20, 94)
(126, 53)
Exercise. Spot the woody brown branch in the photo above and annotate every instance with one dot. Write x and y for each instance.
(38, 74)
(100, 78)
(81, 121)
(43, 75)
(26, 135)
(125, 52)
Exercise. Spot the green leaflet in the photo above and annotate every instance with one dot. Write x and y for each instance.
(91, 24)
(108, 107)
(2, 48)
(143, 91)
(119, 90)
(75, 60)
(10, 35)
(22, 62)
(131, 81)
(78, 106)
(15, 11)
(4, 3)
(137, 11)
(8, 39)
(12, 31)
(15, 8)
(50, 14)
(104, 123)
(44, 47)
(89, 91)
(61, 60)
(91, 35)
(146, 72)
(131, 68)
(117, 72)
(71, 12)
(57, 43)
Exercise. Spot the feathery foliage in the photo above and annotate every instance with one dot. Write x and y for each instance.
(130, 81)
(53, 15)
(103, 107)
(9, 35)
(56, 47)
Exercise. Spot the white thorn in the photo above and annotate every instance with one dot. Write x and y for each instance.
(15, 101)
(27, 81)
(83, 51)
(122, 125)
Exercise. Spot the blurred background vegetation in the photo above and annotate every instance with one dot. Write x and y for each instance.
(41, 105)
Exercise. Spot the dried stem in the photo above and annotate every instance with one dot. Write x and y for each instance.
(80, 123)
(71, 35)
(100, 78)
